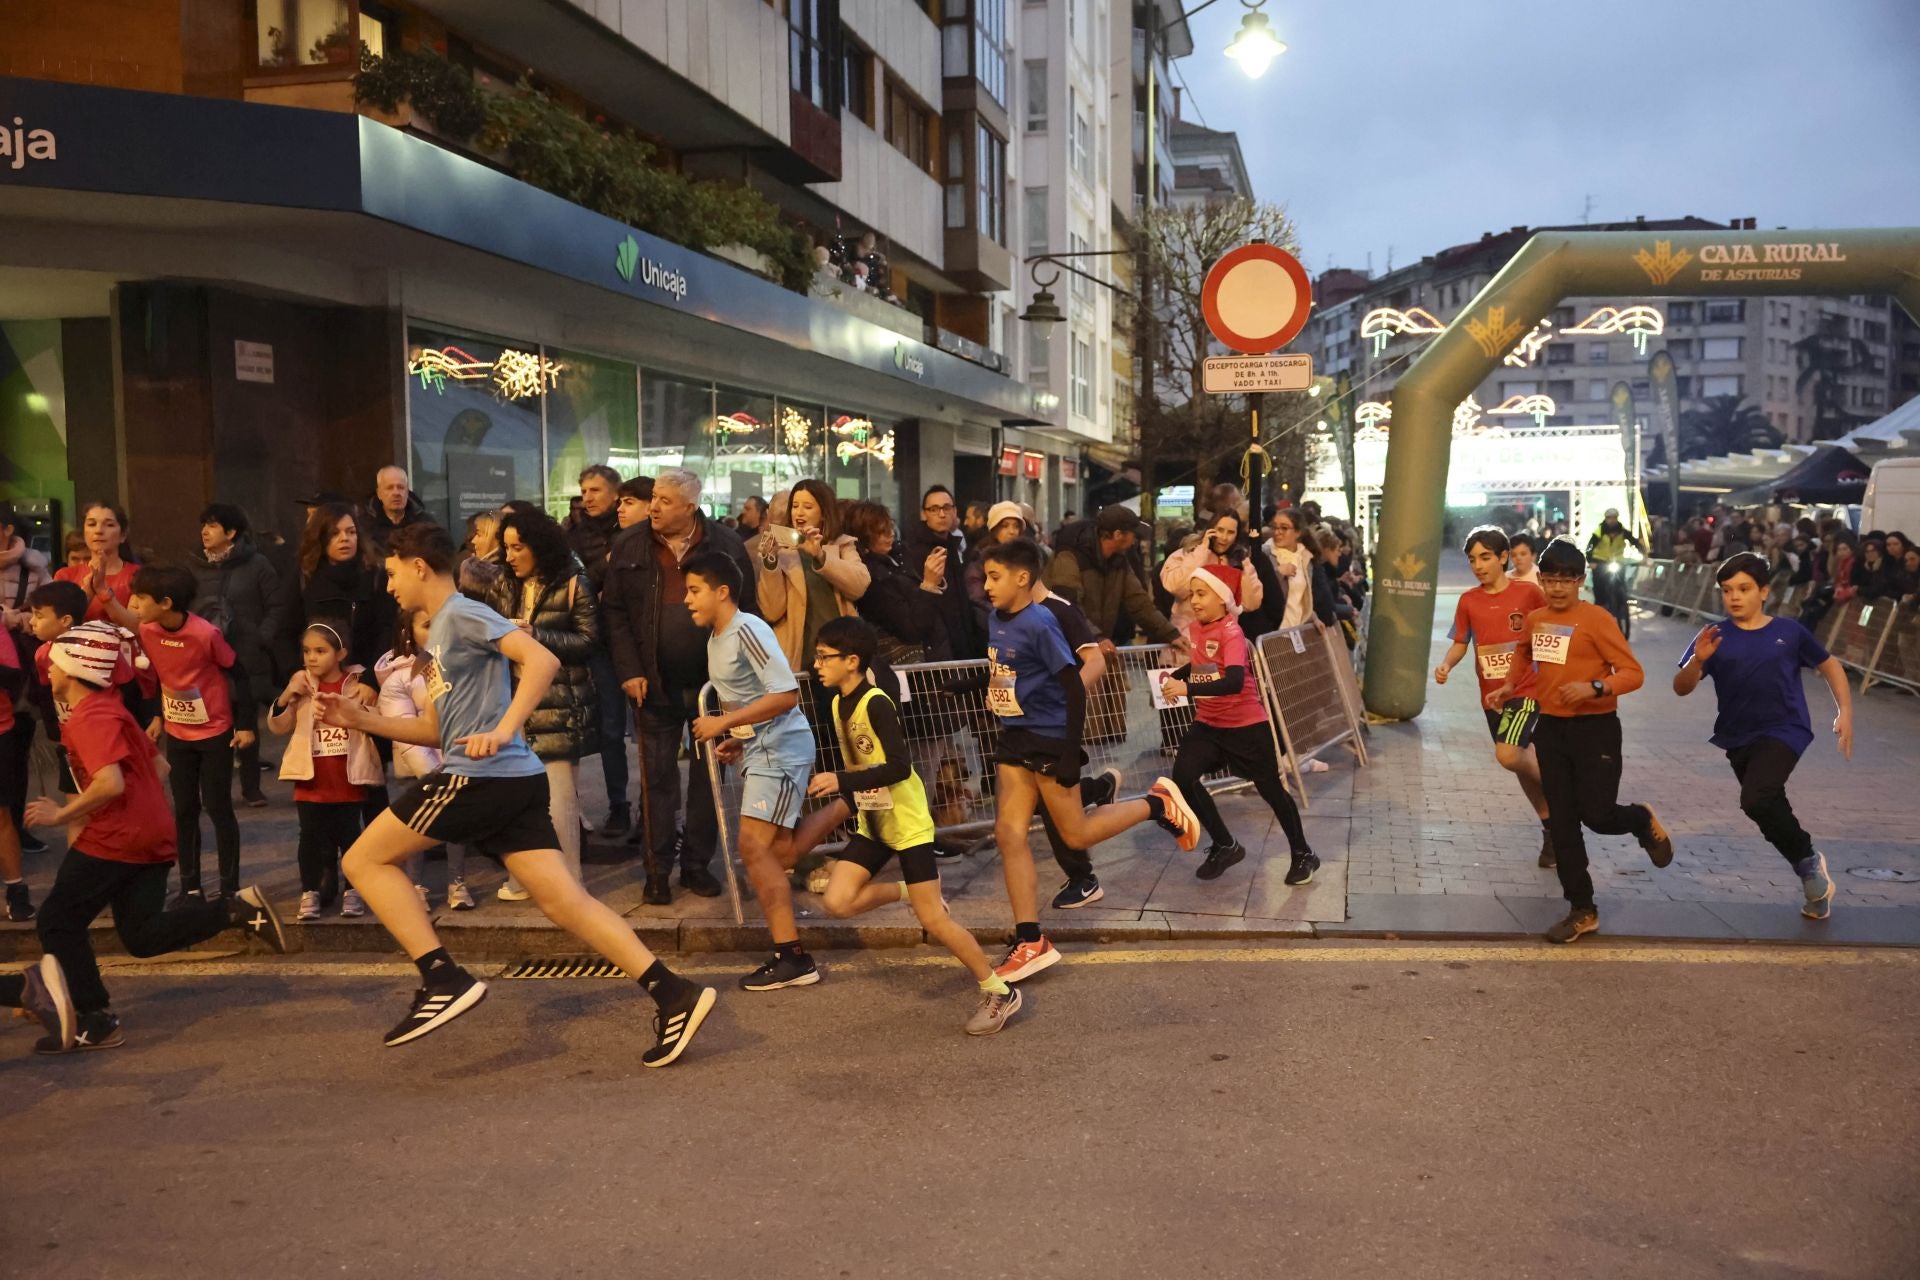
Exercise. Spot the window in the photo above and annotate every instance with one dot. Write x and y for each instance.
(809, 24)
(305, 33)
(1034, 213)
(1080, 289)
(378, 29)
(856, 79)
(1873, 331)
(1039, 352)
(1680, 348)
(1720, 348)
(1080, 373)
(1563, 317)
(973, 43)
(990, 184)
(1560, 355)
(1683, 385)
(1081, 140)
(1679, 313)
(1641, 388)
(1560, 392)
(472, 450)
(1596, 390)
(1520, 389)
(1037, 96)
(956, 205)
(1732, 311)
(1599, 353)
(1721, 385)
(909, 126)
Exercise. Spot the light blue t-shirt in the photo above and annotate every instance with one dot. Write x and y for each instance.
(470, 687)
(745, 663)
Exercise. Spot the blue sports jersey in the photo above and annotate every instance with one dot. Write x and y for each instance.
(1756, 680)
(1026, 652)
(470, 687)
(744, 662)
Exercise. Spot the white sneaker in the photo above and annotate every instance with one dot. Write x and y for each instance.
(422, 891)
(309, 906)
(510, 893)
(350, 904)
(459, 897)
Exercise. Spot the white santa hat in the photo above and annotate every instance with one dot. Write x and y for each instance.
(91, 652)
(1224, 581)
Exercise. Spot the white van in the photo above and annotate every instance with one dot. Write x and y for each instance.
(1893, 496)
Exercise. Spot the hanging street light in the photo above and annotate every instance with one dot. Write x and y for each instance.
(1255, 47)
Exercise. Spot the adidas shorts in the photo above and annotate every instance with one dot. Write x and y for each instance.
(772, 794)
(1514, 723)
(917, 865)
(493, 815)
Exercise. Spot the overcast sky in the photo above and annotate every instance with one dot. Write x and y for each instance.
(1418, 124)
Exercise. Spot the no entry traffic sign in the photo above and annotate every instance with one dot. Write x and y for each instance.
(1257, 298)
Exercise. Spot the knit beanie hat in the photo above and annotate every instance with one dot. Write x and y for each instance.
(92, 652)
(1224, 581)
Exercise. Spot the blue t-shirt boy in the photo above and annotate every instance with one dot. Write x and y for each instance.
(1026, 652)
(745, 663)
(470, 687)
(1756, 682)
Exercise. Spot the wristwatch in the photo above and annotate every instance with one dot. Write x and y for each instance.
(1599, 689)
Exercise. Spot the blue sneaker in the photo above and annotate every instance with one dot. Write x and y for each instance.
(1817, 885)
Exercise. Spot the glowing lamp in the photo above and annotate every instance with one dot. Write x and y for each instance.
(1255, 47)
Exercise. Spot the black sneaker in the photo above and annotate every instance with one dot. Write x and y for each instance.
(1222, 856)
(1658, 844)
(675, 1023)
(783, 970)
(1100, 788)
(1546, 849)
(1078, 893)
(619, 822)
(659, 891)
(434, 1009)
(253, 799)
(1579, 920)
(97, 1030)
(701, 881)
(19, 902)
(188, 898)
(31, 845)
(950, 848)
(1301, 868)
(254, 914)
(44, 996)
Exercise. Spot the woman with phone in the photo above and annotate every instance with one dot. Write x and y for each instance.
(809, 571)
(1224, 542)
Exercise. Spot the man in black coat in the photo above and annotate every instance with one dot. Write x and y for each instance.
(590, 532)
(660, 659)
(239, 592)
(937, 530)
(393, 506)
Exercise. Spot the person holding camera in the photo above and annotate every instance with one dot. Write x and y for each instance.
(1224, 542)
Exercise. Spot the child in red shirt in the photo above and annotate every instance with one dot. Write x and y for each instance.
(200, 684)
(327, 765)
(120, 841)
(1230, 728)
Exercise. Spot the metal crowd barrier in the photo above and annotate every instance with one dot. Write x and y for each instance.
(1308, 684)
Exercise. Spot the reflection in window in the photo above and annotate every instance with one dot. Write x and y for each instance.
(676, 417)
(593, 416)
(305, 33)
(473, 448)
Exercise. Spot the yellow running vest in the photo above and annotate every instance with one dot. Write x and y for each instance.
(896, 816)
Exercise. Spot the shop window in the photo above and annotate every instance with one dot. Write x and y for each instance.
(860, 458)
(909, 127)
(593, 419)
(475, 410)
(676, 420)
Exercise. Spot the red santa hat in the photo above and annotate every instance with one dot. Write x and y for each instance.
(1224, 581)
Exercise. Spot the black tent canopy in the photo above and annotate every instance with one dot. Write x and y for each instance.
(1830, 475)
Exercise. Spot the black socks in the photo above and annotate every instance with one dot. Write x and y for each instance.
(659, 981)
(793, 949)
(436, 968)
(1027, 931)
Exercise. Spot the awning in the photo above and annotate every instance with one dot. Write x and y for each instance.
(1830, 475)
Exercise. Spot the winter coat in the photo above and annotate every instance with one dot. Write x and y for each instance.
(896, 604)
(403, 695)
(241, 595)
(1104, 587)
(380, 529)
(634, 595)
(566, 621)
(782, 588)
(1288, 599)
(22, 577)
(591, 538)
(363, 761)
(966, 635)
(285, 649)
(357, 596)
(1176, 575)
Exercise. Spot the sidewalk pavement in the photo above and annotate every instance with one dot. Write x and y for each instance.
(1432, 840)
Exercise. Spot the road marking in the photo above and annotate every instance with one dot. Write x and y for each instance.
(1432, 953)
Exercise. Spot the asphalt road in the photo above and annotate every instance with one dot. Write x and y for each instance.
(1312, 1110)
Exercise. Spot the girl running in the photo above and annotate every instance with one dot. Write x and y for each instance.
(328, 766)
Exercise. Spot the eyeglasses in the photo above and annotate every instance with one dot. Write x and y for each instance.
(821, 655)
(935, 508)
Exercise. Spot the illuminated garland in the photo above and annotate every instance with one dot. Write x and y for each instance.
(735, 424)
(848, 450)
(1530, 346)
(1541, 407)
(796, 429)
(1466, 415)
(515, 375)
(1637, 322)
(1384, 324)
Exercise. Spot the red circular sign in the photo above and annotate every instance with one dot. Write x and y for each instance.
(1257, 298)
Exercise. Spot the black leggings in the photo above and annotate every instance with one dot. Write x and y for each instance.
(326, 832)
(1247, 752)
(1580, 774)
(203, 776)
(1763, 767)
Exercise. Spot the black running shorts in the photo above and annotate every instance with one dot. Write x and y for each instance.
(917, 865)
(1515, 722)
(1034, 752)
(495, 816)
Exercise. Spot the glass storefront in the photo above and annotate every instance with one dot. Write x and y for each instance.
(593, 419)
(475, 442)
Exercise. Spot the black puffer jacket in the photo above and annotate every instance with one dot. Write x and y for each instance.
(591, 537)
(241, 595)
(895, 603)
(566, 724)
(356, 595)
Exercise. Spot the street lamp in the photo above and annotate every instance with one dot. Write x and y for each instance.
(1045, 309)
(1255, 47)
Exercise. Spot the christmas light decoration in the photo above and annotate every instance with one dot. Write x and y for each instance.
(736, 424)
(1638, 322)
(848, 450)
(1540, 407)
(519, 374)
(796, 429)
(435, 365)
(515, 375)
(1465, 415)
(1530, 346)
(1371, 413)
(1384, 324)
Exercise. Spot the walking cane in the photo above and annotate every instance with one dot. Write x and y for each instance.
(646, 800)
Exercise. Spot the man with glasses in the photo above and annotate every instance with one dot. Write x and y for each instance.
(936, 533)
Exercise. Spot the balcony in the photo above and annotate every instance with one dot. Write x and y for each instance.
(875, 310)
(968, 349)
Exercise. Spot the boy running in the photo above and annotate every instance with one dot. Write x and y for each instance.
(1523, 551)
(1581, 666)
(880, 786)
(1230, 728)
(1494, 618)
(200, 684)
(490, 793)
(120, 842)
(771, 740)
(1034, 687)
(1763, 724)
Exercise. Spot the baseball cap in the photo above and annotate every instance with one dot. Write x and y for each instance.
(1117, 519)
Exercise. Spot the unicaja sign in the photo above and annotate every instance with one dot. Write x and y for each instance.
(19, 144)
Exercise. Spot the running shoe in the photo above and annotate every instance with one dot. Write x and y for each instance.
(1816, 885)
(309, 906)
(459, 897)
(619, 822)
(1579, 920)
(950, 848)
(19, 902)
(1079, 892)
(994, 1011)
(510, 892)
(1024, 959)
(434, 1009)
(45, 998)
(784, 970)
(676, 1022)
(1300, 868)
(97, 1030)
(1546, 850)
(1180, 820)
(254, 914)
(253, 799)
(1218, 859)
(31, 845)
(187, 898)
(659, 891)
(351, 905)
(699, 880)
(1100, 788)
(1658, 844)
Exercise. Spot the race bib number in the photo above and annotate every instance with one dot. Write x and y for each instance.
(183, 706)
(1000, 697)
(877, 800)
(329, 740)
(1551, 643)
(1496, 661)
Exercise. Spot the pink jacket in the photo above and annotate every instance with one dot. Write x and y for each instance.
(363, 762)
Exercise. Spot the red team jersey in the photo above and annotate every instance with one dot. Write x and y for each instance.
(137, 825)
(1495, 623)
(1217, 646)
(330, 783)
(191, 664)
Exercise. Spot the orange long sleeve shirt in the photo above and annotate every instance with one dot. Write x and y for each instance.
(1577, 647)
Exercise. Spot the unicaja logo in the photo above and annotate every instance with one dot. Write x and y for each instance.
(19, 144)
(907, 362)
